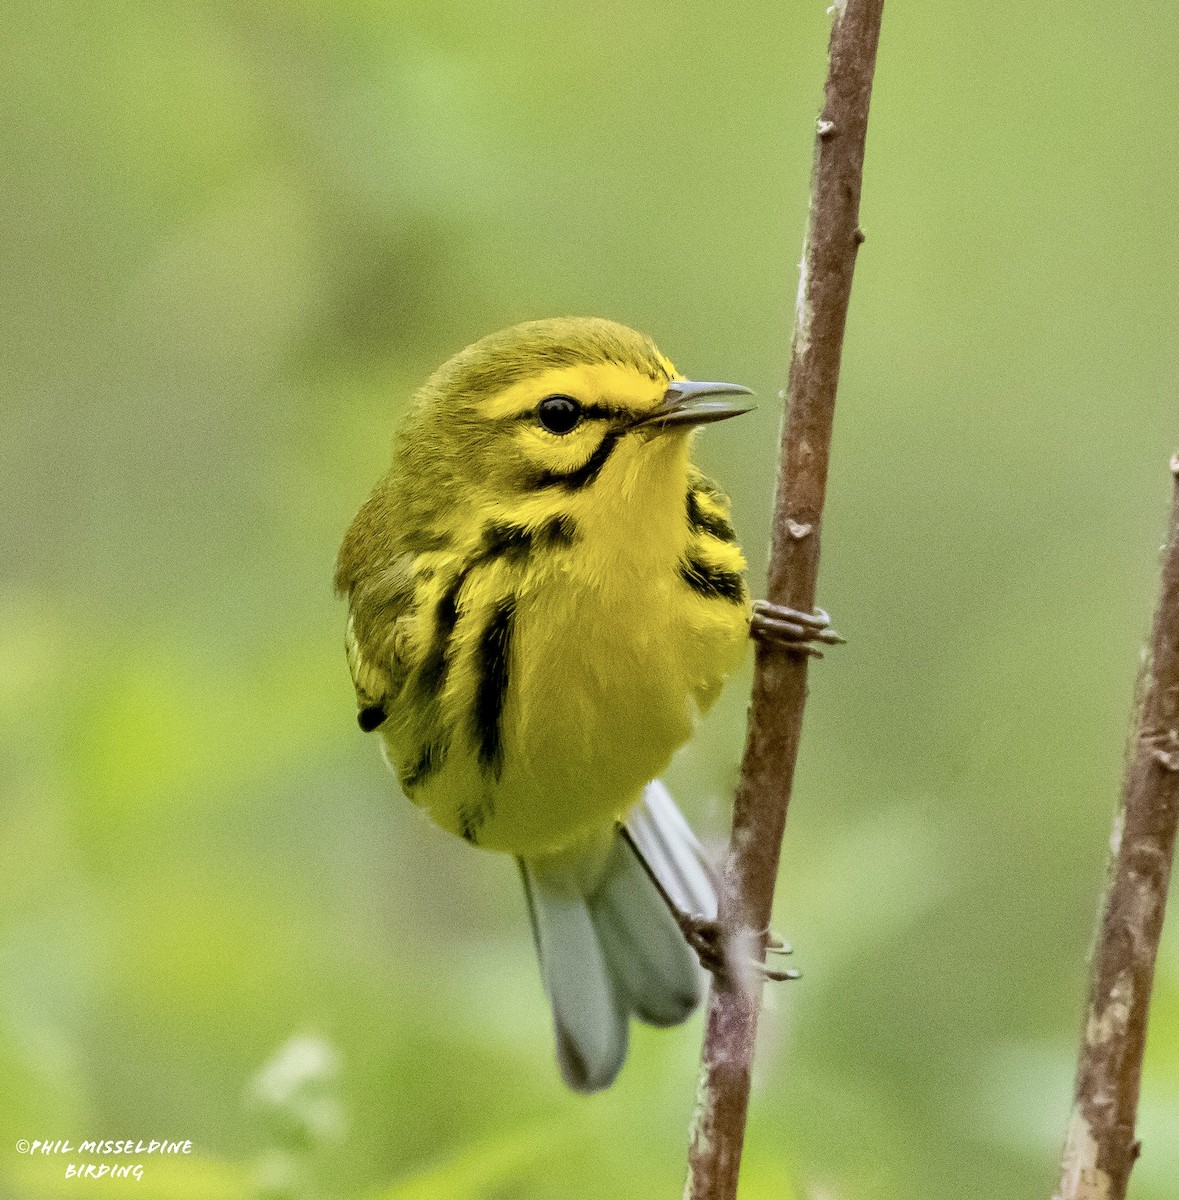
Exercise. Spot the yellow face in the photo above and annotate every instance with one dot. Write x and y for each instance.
(564, 425)
(568, 416)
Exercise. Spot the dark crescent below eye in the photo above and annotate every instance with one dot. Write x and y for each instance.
(559, 414)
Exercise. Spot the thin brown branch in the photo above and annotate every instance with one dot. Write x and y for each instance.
(1101, 1148)
(779, 681)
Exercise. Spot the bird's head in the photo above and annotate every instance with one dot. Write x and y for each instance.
(559, 410)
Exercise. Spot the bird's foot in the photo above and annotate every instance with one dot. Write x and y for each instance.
(710, 941)
(793, 631)
(706, 936)
(777, 976)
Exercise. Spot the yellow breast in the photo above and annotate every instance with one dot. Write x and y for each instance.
(613, 644)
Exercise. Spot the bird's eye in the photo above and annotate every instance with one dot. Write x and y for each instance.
(559, 414)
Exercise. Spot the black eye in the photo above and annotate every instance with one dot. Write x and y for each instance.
(559, 414)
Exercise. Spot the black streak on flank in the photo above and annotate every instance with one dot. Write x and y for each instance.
(708, 522)
(371, 717)
(492, 656)
(583, 476)
(432, 673)
(511, 542)
(713, 582)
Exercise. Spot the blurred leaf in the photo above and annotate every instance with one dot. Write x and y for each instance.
(494, 1167)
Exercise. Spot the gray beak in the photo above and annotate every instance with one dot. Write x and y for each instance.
(688, 403)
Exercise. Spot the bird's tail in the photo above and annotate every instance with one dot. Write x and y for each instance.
(607, 944)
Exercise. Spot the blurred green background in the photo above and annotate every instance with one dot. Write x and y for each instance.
(233, 237)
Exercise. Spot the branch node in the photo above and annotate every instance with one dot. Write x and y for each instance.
(860, 236)
(797, 530)
(824, 128)
(1168, 760)
(1175, 464)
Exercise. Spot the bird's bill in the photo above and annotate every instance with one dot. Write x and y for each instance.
(690, 403)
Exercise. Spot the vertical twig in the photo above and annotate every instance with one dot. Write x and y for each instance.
(1100, 1148)
(779, 681)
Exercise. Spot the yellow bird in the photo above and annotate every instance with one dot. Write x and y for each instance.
(543, 592)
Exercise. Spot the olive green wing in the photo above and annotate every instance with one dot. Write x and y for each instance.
(381, 608)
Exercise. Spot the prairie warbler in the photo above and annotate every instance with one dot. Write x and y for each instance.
(542, 592)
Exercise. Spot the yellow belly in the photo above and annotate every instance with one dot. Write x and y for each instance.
(604, 685)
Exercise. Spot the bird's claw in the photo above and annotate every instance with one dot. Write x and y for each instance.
(709, 940)
(777, 945)
(792, 630)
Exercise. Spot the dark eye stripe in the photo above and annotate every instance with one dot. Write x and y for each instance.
(601, 412)
(589, 412)
(583, 476)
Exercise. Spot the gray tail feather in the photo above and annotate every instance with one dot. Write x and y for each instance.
(606, 942)
(589, 1014)
(673, 852)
